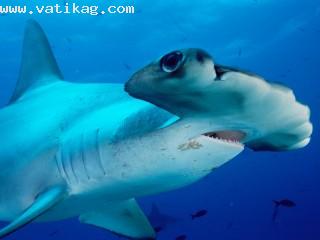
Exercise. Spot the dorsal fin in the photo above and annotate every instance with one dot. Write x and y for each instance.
(38, 66)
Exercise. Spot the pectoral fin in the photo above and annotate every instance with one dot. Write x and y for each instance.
(42, 203)
(125, 218)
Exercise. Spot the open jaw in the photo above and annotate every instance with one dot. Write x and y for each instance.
(227, 136)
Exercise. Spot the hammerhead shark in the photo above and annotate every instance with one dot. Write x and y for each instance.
(89, 149)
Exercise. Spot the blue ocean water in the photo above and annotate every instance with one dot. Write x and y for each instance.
(278, 40)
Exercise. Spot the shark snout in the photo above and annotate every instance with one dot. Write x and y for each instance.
(133, 86)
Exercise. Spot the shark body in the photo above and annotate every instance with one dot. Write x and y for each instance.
(88, 150)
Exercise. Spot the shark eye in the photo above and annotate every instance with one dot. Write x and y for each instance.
(171, 62)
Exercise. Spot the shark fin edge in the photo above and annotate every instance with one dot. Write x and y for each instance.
(38, 64)
(124, 218)
(42, 203)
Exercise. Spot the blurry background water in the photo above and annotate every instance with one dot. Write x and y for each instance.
(276, 39)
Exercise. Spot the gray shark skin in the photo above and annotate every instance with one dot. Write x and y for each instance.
(88, 150)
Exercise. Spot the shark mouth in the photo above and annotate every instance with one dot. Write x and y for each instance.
(234, 137)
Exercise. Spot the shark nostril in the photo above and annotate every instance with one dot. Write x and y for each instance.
(200, 57)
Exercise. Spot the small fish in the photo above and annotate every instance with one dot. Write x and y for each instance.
(199, 214)
(53, 233)
(127, 66)
(158, 229)
(283, 203)
(181, 237)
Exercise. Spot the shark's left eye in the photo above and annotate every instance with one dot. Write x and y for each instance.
(172, 62)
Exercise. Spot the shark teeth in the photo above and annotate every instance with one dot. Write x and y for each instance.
(231, 137)
(227, 141)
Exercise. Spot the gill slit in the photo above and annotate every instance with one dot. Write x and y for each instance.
(71, 159)
(59, 166)
(64, 167)
(83, 157)
(97, 146)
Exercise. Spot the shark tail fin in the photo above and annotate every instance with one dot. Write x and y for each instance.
(43, 202)
(38, 65)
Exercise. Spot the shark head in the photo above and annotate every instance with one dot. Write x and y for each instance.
(172, 83)
(224, 102)
(182, 73)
